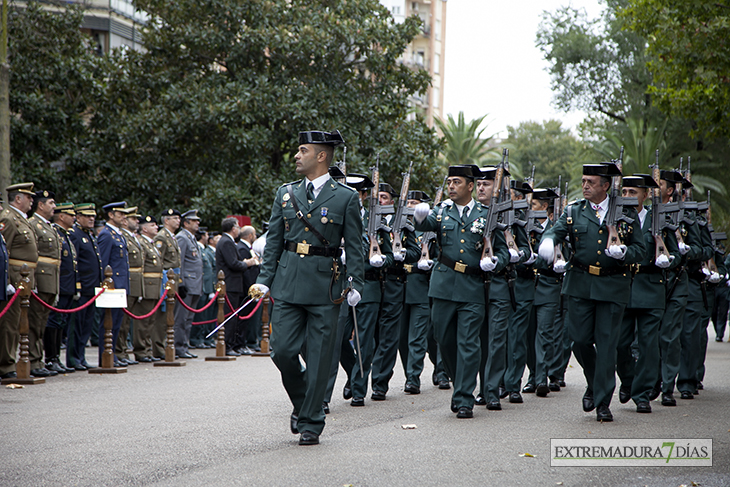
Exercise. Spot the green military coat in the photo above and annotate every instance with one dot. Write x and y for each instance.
(372, 289)
(151, 269)
(49, 256)
(136, 263)
(21, 243)
(168, 248)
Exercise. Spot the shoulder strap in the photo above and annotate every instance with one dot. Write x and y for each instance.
(303, 218)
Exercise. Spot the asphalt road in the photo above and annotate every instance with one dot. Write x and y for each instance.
(226, 423)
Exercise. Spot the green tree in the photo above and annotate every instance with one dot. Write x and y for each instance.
(464, 142)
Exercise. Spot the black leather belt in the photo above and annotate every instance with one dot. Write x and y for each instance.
(549, 273)
(460, 267)
(413, 269)
(646, 269)
(395, 271)
(595, 270)
(698, 276)
(307, 249)
(527, 273)
(372, 275)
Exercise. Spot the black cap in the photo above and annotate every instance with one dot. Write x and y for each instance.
(336, 172)
(606, 169)
(418, 195)
(544, 194)
(639, 181)
(44, 195)
(116, 206)
(522, 187)
(359, 182)
(671, 176)
(387, 188)
(171, 212)
(465, 171)
(686, 184)
(146, 219)
(333, 138)
(490, 172)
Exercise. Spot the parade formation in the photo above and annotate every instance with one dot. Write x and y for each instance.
(490, 277)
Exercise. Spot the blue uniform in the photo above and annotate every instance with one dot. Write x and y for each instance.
(113, 252)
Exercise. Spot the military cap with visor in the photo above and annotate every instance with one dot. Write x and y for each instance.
(419, 195)
(25, 188)
(85, 209)
(359, 182)
(469, 171)
(67, 208)
(639, 181)
(190, 215)
(333, 138)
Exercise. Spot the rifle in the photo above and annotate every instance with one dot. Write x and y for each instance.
(715, 236)
(508, 213)
(428, 236)
(558, 207)
(495, 208)
(616, 203)
(377, 211)
(400, 221)
(343, 163)
(531, 225)
(658, 213)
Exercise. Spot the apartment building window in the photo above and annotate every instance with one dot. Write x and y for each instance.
(396, 10)
(435, 94)
(436, 63)
(438, 30)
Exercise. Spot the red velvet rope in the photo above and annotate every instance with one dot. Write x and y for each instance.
(67, 311)
(229, 314)
(10, 303)
(210, 303)
(144, 317)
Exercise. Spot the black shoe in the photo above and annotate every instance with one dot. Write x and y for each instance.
(232, 353)
(293, 420)
(700, 386)
(624, 394)
(145, 360)
(69, 370)
(325, 408)
(480, 401)
(42, 372)
(434, 379)
(444, 384)
(561, 383)
(654, 393)
(718, 339)
(502, 392)
(346, 391)
(118, 363)
(542, 390)
(131, 361)
(588, 405)
(378, 396)
(668, 400)
(411, 389)
(494, 406)
(156, 359)
(80, 367)
(643, 407)
(454, 409)
(603, 414)
(245, 351)
(357, 402)
(122, 361)
(185, 355)
(515, 397)
(56, 366)
(465, 412)
(554, 387)
(529, 388)
(9, 375)
(309, 438)
(685, 395)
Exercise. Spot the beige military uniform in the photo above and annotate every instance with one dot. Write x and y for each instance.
(166, 245)
(152, 282)
(22, 249)
(136, 261)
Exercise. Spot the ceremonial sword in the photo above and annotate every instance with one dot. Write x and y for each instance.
(229, 318)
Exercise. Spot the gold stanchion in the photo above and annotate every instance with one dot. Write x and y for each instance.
(220, 342)
(107, 357)
(265, 329)
(171, 288)
(22, 367)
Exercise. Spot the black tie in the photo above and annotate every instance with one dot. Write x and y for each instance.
(310, 193)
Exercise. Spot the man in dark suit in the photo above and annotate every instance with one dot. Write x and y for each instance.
(252, 326)
(227, 260)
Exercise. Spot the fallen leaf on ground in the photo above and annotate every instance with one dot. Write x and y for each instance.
(695, 484)
(409, 426)
(558, 483)
(15, 386)
(527, 455)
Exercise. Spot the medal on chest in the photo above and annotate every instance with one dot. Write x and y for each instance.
(323, 211)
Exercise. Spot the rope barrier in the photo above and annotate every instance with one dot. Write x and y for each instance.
(154, 310)
(229, 314)
(67, 311)
(180, 301)
(10, 303)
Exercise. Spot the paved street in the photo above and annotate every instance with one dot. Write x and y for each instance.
(226, 423)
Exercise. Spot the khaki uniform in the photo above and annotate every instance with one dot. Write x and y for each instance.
(22, 249)
(136, 261)
(168, 249)
(151, 283)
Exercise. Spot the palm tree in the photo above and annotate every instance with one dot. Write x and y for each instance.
(464, 142)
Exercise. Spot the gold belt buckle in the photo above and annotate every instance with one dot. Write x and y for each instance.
(459, 267)
(303, 248)
(408, 268)
(596, 271)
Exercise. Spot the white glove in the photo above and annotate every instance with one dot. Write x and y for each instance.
(10, 289)
(424, 264)
(139, 299)
(532, 259)
(514, 256)
(343, 258)
(706, 272)
(663, 261)
(421, 211)
(377, 260)
(353, 297)
(77, 296)
(715, 278)
(211, 296)
(260, 288)
(683, 248)
(616, 251)
(547, 250)
(400, 256)
(559, 266)
(488, 263)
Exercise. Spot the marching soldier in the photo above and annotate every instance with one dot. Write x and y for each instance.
(22, 249)
(64, 217)
(191, 283)
(151, 285)
(597, 283)
(136, 264)
(169, 250)
(46, 278)
(309, 219)
(457, 280)
(90, 277)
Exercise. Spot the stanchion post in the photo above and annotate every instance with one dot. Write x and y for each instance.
(171, 288)
(265, 329)
(107, 356)
(220, 342)
(22, 367)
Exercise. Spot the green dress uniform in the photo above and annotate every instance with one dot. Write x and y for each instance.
(47, 275)
(167, 247)
(300, 285)
(642, 318)
(22, 249)
(458, 290)
(711, 297)
(597, 288)
(151, 284)
(136, 264)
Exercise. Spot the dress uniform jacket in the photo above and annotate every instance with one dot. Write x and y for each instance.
(547, 288)
(168, 248)
(113, 252)
(91, 273)
(49, 255)
(136, 263)
(191, 262)
(21, 244)
(3, 269)
(152, 269)
(68, 274)
(209, 274)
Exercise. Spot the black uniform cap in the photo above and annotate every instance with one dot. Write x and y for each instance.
(544, 194)
(418, 195)
(465, 171)
(387, 188)
(490, 172)
(336, 172)
(522, 187)
(639, 181)
(333, 138)
(146, 219)
(359, 182)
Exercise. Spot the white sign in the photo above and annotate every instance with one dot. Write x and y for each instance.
(111, 298)
(624, 452)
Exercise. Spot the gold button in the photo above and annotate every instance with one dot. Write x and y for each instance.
(600, 241)
(599, 252)
(462, 240)
(462, 230)
(598, 263)
(444, 234)
(600, 231)
(446, 218)
(461, 251)
(306, 229)
(309, 215)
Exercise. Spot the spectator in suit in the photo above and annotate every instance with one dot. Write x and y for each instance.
(252, 326)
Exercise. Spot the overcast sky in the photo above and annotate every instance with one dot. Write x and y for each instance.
(492, 65)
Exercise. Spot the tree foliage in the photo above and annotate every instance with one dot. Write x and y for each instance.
(464, 142)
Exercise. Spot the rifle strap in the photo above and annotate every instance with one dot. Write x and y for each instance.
(569, 220)
(303, 218)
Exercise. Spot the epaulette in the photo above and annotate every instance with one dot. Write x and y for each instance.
(345, 186)
(292, 182)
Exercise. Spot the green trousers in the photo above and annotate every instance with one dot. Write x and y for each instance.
(545, 346)
(669, 341)
(499, 311)
(367, 322)
(389, 331)
(519, 322)
(639, 376)
(416, 319)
